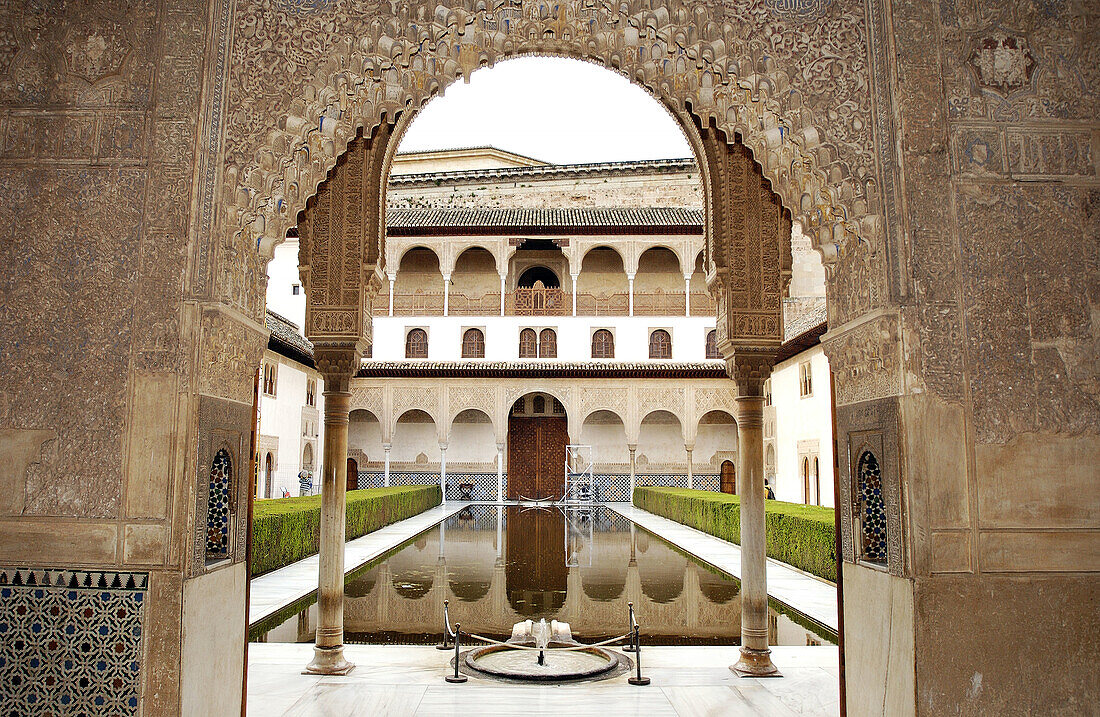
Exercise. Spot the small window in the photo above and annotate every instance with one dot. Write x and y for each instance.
(712, 344)
(548, 344)
(805, 380)
(559, 410)
(660, 345)
(269, 379)
(603, 344)
(217, 507)
(473, 344)
(416, 344)
(296, 289)
(538, 405)
(871, 509)
(528, 344)
(767, 392)
(311, 392)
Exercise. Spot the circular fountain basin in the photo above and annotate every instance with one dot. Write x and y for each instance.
(509, 663)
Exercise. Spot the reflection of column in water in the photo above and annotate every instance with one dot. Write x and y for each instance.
(442, 538)
(303, 626)
(500, 531)
(633, 545)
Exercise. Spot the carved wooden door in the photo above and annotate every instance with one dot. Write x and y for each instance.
(353, 474)
(536, 457)
(729, 477)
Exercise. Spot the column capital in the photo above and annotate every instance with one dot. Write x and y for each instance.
(500, 448)
(387, 446)
(337, 363)
(632, 447)
(750, 368)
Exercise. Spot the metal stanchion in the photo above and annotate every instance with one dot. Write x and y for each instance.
(637, 679)
(632, 646)
(456, 677)
(446, 626)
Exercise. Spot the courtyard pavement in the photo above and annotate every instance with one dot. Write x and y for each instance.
(407, 680)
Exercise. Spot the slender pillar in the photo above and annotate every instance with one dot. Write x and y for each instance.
(386, 477)
(630, 291)
(392, 280)
(500, 532)
(328, 657)
(687, 296)
(502, 280)
(446, 294)
(573, 278)
(443, 470)
(755, 656)
(691, 472)
(500, 475)
(633, 448)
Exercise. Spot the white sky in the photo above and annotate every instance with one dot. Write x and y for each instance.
(557, 110)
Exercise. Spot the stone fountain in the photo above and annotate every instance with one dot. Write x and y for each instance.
(534, 654)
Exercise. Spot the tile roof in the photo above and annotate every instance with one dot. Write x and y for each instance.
(544, 369)
(285, 337)
(549, 170)
(519, 218)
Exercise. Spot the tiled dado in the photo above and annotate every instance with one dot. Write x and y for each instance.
(70, 641)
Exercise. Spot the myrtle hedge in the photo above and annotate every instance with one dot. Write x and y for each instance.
(289, 529)
(800, 535)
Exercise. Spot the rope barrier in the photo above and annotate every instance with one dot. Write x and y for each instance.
(514, 646)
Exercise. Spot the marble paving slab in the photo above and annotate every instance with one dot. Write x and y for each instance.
(807, 594)
(408, 680)
(275, 590)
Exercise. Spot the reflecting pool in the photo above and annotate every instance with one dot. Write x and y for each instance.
(498, 565)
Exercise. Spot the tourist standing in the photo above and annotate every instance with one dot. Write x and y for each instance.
(305, 482)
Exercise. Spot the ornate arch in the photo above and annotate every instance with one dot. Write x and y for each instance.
(736, 66)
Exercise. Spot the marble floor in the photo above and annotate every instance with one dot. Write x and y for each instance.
(279, 588)
(406, 680)
(806, 593)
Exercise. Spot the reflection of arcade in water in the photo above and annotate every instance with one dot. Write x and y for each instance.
(499, 565)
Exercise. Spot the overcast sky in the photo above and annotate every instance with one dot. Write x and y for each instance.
(553, 109)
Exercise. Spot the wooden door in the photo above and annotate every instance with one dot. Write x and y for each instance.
(729, 477)
(353, 474)
(536, 457)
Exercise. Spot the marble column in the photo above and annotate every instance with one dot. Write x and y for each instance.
(755, 656)
(393, 278)
(500, 473)
(446, 294)
(573, 278)
(630, 294)
(328, 658)
(386, 477)
(443, 470)
(691, 473)
(687, 295)
(502, 280)
(500, 532)
(633, 448)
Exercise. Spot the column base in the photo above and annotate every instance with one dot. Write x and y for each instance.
(755, 663)
(328, 661)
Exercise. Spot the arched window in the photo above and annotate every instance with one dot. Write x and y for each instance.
(217, 507)
(269, 474)
(548, 344)
(473, 344)
(307, 457)
(712, 344)
(528, 344)
(603, 344)
(538, 405)
(817, 482)
(806, 481)
(872, 509)
(416, 344)
(660, 345)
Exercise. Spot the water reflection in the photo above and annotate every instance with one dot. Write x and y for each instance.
(498, 565)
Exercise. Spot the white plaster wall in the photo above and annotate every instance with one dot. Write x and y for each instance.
(689, 335)
(608, 441)
(411, 439)
(711, 439)
(212, 659)
(661, 443)
(365, 433)
(472, 443)
(798, 418)
(282, 275)
(281, 416)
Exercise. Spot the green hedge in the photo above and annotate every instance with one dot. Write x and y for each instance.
(289, 529)
(800, 535)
